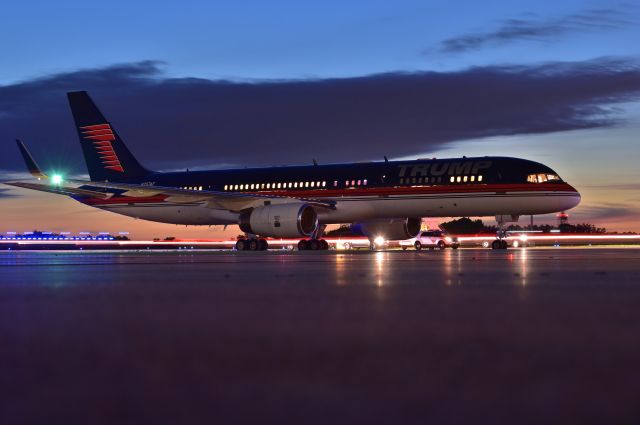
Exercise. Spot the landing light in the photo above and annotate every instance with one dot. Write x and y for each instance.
(379, 241)
(56, 179)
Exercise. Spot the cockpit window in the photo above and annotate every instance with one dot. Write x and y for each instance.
(542, 178)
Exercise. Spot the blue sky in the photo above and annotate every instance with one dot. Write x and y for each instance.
(48, 48)
(290, 39)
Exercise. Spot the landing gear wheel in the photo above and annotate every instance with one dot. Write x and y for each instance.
(404, 248)
(263, 245)
(324, 245)
(499, 244)
(241, 245)
(303, 245)
(253, 245)
(454, 246)
(418, 245)
(441, 245)
(314, 244)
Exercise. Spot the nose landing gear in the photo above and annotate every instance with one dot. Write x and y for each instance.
(501, 241)
(499, 244)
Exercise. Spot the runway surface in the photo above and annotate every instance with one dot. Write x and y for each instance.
(468, 336)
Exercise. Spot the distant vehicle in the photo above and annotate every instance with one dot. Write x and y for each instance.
(430, 239)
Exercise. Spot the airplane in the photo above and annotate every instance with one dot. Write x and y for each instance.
(385, 198)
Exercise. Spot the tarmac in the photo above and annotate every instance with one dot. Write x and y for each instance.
(526, 336)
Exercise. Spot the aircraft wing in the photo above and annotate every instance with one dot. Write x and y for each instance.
(232, 201)
(60, 190)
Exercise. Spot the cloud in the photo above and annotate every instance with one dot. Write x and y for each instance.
(535, 29)
(609, 211)
(186, 122)
(622, 186)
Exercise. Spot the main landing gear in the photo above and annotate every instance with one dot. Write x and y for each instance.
(252, 244)
(313, 245)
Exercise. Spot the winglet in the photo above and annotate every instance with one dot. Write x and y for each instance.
(28, 159)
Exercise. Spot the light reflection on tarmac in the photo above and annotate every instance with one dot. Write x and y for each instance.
(467, 336)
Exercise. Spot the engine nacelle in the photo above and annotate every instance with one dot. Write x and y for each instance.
(394, 229)
(280, 221)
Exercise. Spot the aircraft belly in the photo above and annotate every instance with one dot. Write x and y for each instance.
(366, 208)
(485, 204)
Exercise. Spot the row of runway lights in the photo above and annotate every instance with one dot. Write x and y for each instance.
(71, 238)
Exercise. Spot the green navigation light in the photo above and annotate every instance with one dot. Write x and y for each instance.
(56, 179)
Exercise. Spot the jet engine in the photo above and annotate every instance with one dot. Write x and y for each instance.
(280, 220)
(393, 229)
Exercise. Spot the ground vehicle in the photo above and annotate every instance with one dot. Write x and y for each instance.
(430, 239)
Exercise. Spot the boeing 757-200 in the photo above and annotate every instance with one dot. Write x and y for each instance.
(386, 198)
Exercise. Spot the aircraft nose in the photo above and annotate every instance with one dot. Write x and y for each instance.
(575, 196)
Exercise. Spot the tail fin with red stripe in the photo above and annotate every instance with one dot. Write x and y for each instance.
(107, 157)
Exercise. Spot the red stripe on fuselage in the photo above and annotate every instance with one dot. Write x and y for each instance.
(417, 190)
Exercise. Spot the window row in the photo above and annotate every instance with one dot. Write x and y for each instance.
(465, 179)
(192, 188)
(436, 180)
(271, 186)
(421, 180)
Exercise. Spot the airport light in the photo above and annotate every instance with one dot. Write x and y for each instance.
(379, 241)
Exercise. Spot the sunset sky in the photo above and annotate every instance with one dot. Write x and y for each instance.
(201, 84)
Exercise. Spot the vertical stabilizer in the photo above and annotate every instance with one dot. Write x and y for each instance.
(107, 157)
